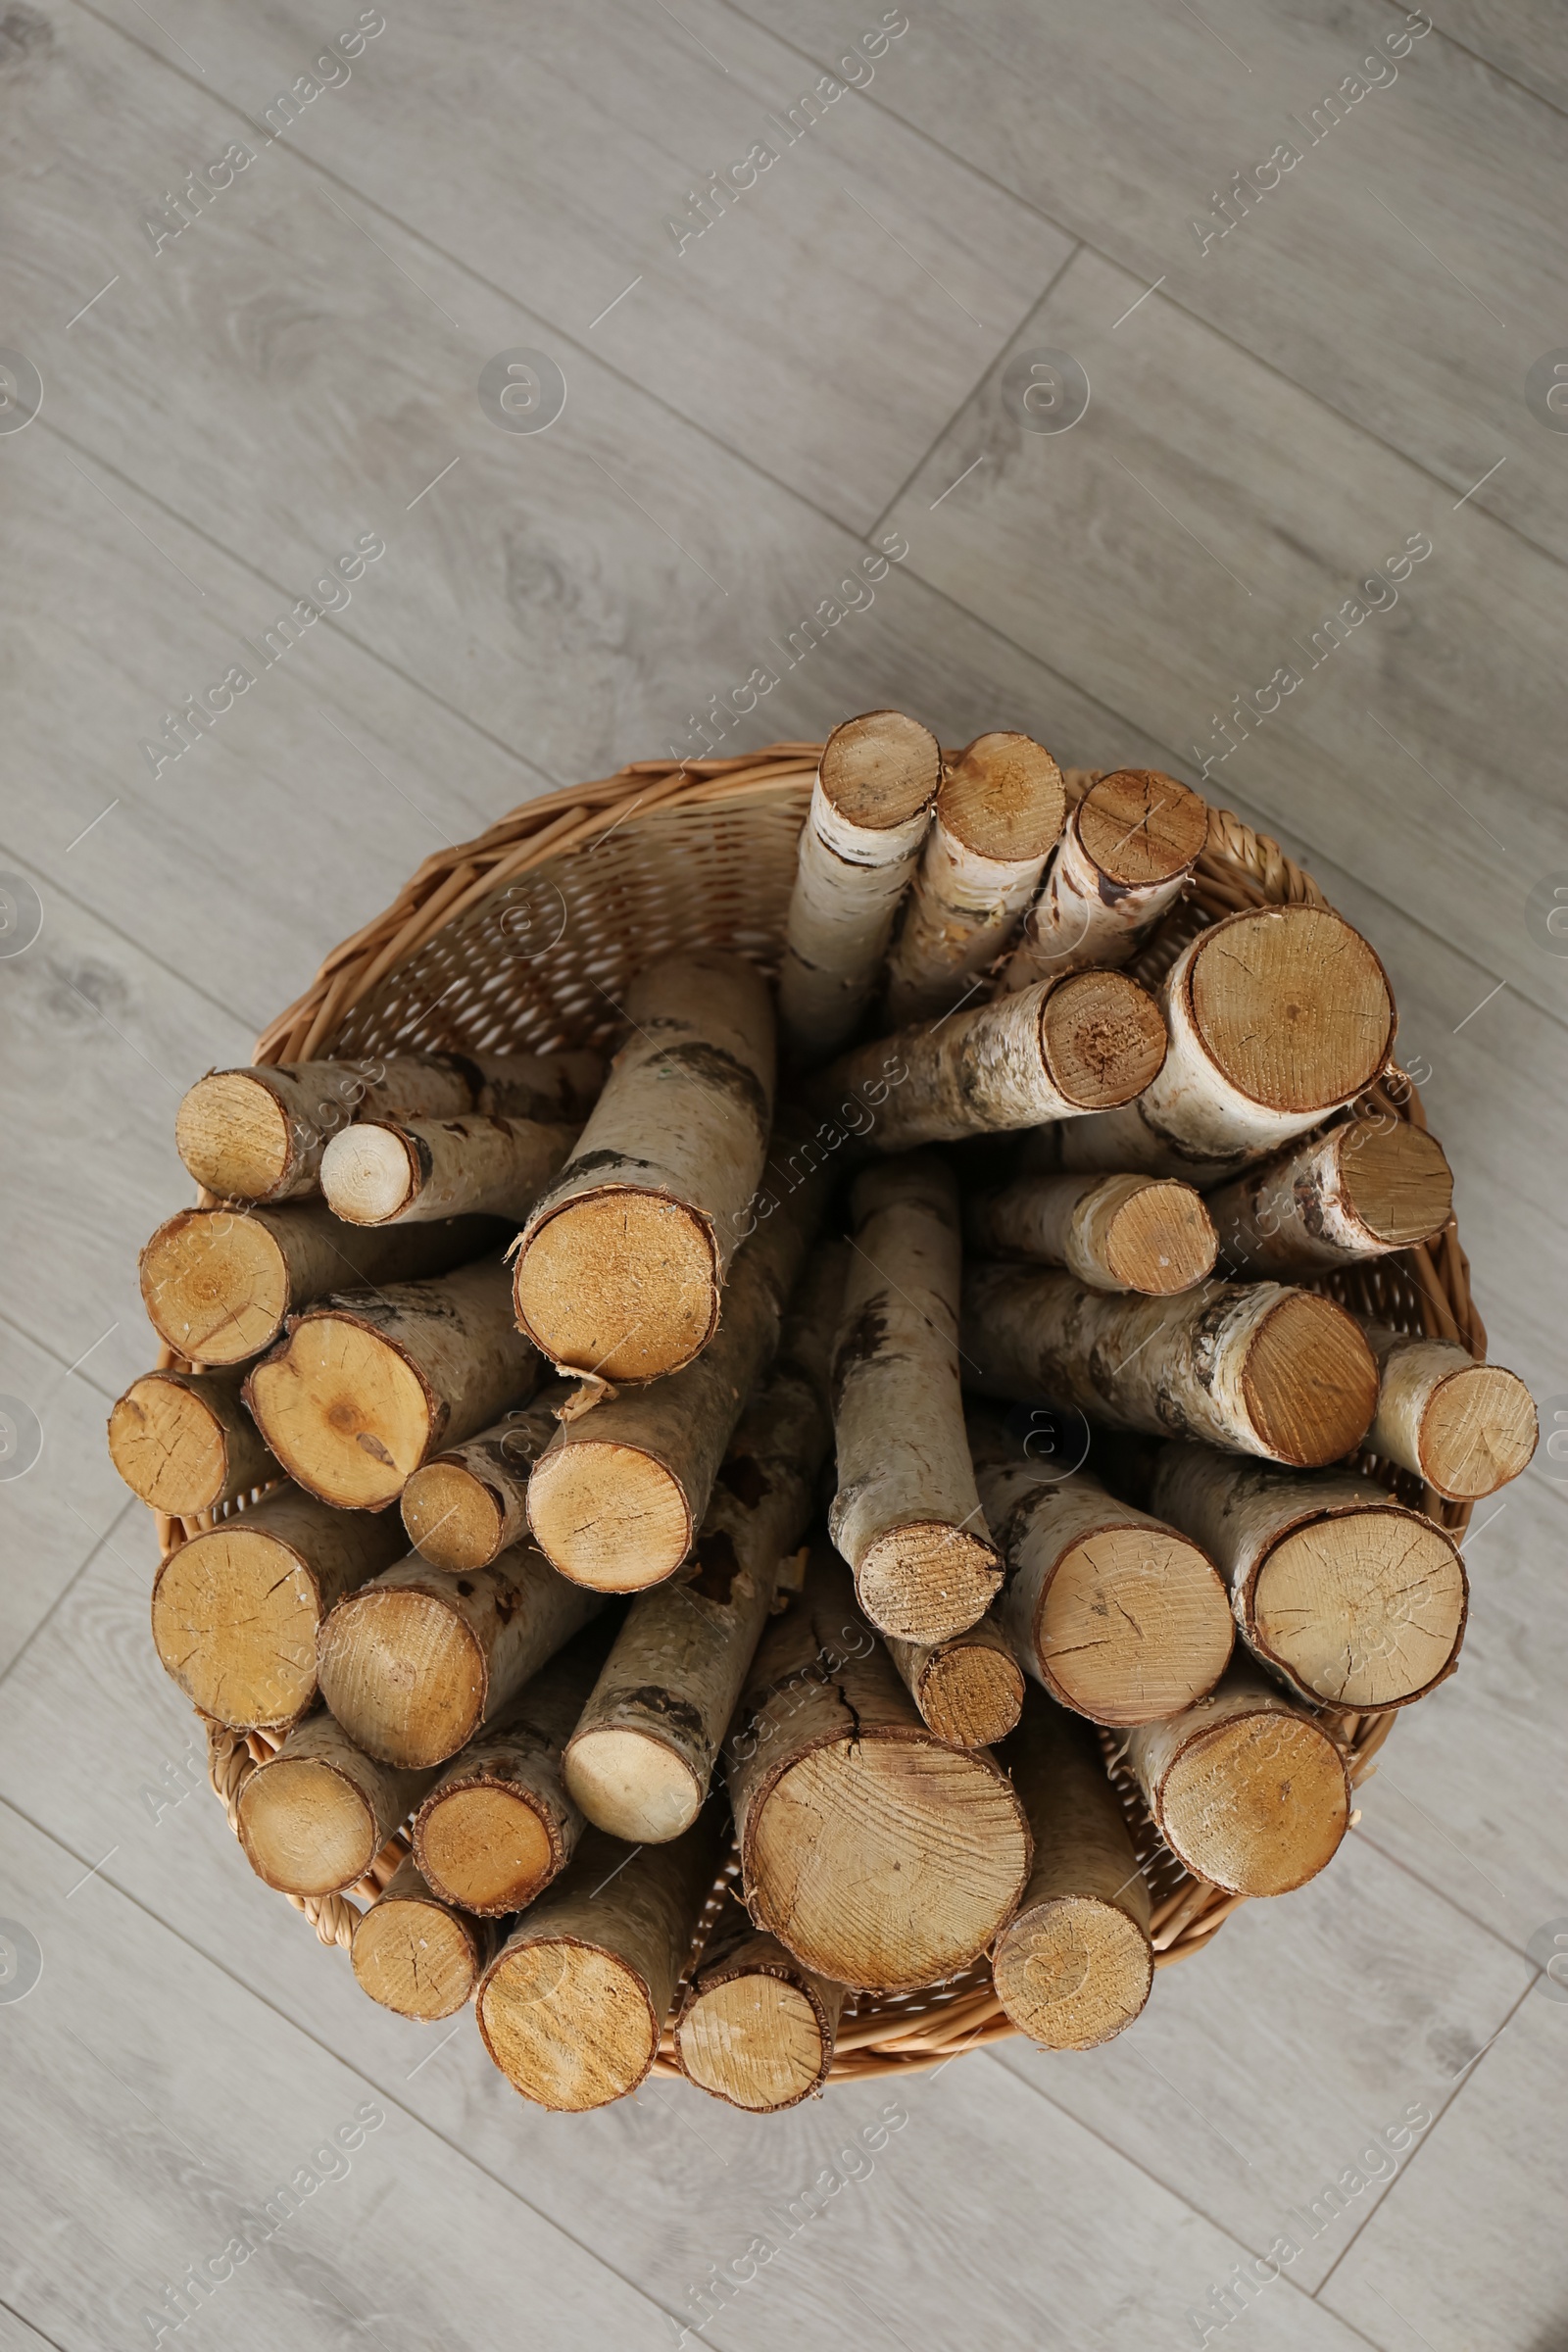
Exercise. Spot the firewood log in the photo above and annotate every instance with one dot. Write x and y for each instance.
(968, 1689)
(756, 2028)
(1126, 855)
(1466, 1428)
(1245, 1788)
(413, 1663)
(870, 809)
(572, 2006)
(219, 1284)
(185, 1443)
(997, 818)
(259, 1133)
(236, 1610)
(369, 1384)
(1116, 1233)
(416, 1954)
(621, 1263)
(907, 1515)
(1254, 1367)
(314, 1818)
(642, 1758)
(878, 1855)
(1074, 1966)
(1277, 1017)
(412, 1172)
(1348, 1598)
(1066, 1049)
(466, 1504)
(1366, 1188)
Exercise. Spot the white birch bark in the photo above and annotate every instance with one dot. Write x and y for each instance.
(1358, 1192)
(1466, 1428)
(1115, 1233)
(183, 1441)
(1126, 855)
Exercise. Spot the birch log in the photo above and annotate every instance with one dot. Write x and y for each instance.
(1075, 1966)
(1116, 1233)
(1119, 1617)
(464, 1506)
(259, 1133)
(870, 808)
(1126, 855)
(756, 2028)
(411, 1172)
(621, 1263)
(878, 1855)
(416, 1954)
(997, 818)
(618, 1496)
(219, 1284)
(369, 1384)
(968, 1689)
(1245, 1788)
(1254, 1367)
(314, 1818)
(1352, 1599)
(413, 1663)
(1066, 1049)
(500, 1822)
(236, 1610)
(1277, 1017)
(1466, 1428)
(185, 1443)
(642, 1758)
(1367, 1187)
(907, 1515)
(572, 2006)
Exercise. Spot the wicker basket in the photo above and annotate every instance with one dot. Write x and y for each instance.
(527, 940)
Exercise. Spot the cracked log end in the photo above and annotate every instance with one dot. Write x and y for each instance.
(413, 1953)
(343, 1412)
(235, 1616)
(1310, 1381)
(1142, 828)
(1364, 1608)
(609, 1516)
(215, 1288)
(1101, 1038)
(1132, 1625)
(625, 1284)
(1479, 1431)
(1293, 1007)
(232, 1134)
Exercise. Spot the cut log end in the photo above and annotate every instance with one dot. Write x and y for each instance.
(415, 1955)
(971, 1695)
(215, 1288)
(754, 2039)
(1004, 798)
(1256, 1805)
(1161, 1240)
(452, 1519)
(1142, 828)
(924, 1581)
(609, 1516)
(569, 2025)
(1103, 1038)
(369, 1174)
(1477, 1431)
(1363, 1609)
(487, 1847)
(623, 1284)
(1397, 1182)
(305, 1827)
(1310, 1382)
(1293, 1007)
(344, 1412)
(170, 1446)
(232, 1134)
(632, 1785)
(403, 1675)
(1133, 1626)
(1072, 1971)
(236, 1615)
(880, 769)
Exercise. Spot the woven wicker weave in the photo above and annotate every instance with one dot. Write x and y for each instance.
(528, 938)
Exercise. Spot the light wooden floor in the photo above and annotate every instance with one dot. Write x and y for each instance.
(824, 371)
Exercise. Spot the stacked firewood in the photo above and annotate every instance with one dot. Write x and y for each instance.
(639, 1462)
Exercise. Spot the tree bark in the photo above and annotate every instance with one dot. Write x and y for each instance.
(1126, 855)
(185, 1443)
(259, 1133)
(415, 1663)
(382, 1172)
(314, 1818)
(1254, 1367)
(756, 2028)
(997, 818)
(1245, 1788)
(907, 1515)
(1116, 1233)
(1352, 1599)
(416, 1954)
(1277, 1017)
(1063, 1050)
(572, 2006)
(1075, 1966)
(236, 1610)
(1361, 1190)
(369, 1384)
(1119, 1617)
(1466, 1428)
(220, 1283)
(968, 1689)
(870, 808)
(463, 1508)
(621, 1263)
(880, 1856)
(641, 1760)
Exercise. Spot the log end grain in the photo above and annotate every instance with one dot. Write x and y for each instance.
(1310, 1381)
(625, 1284)
(369, 1174)
(1397, 1181)
(880, 769)
(632, 1785)
(609, 1516)
(1477, 1431)
(1293, 1007)
(1101, 1038)
(403, 1675)
(1161, 1241)
(1362, 1607)
(486, 1846)
(170, 1447)
(1004, 798)
(1134, 1625)
(758, 2039)
(343, 1412)
(214, 1287)
(305, 1827)
(415, 1955)
(235, 1616)
(569, 2023)
(232, 1134)
(1142, 828)
(452, 1518)
(1256, 1805)
(970, 1693)
(1072, 1971)
(924, 1581)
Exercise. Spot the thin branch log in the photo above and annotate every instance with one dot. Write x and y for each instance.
(1150, 1234)
(1126, 855)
